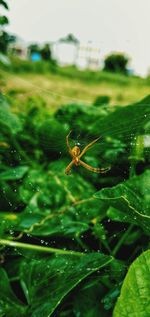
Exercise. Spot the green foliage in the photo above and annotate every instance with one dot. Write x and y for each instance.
(135, 293)
(5, 38)
(49, 138)
(131, 201)
(4, 4)
(116, 62)
(13, 173)
(33, 48)
(70, 38)
(92, 76)
(48, 281)
(46, 53)
(72, 72)
(79, 221)
(3, 20)
(7, 118)
(23, 66)
(101, 100)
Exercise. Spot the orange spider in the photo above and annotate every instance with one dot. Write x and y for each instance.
(76, 155)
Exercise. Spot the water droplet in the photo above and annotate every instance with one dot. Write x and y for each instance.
(11, 231)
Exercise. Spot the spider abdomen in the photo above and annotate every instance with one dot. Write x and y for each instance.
(75, 151)
(76, 161)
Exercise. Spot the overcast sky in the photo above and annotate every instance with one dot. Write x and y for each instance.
(113, 25)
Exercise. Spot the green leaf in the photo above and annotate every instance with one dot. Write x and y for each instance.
(7, 118)
(87, 301)
(3, 20)
(9, 197)
(132, 199)
(125, 121)
(134, 299)
(14, 173)
(55, 204)
(9, 303)
(48, 281)
(50, 225)
(4, 4)
(121, 123)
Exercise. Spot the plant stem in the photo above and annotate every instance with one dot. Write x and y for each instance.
(81, 243)
(137, 154)
(121, 241)
(38, 248)
(104, 242)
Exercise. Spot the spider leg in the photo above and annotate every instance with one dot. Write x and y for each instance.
(94, 169)
(88, 147)
(67, 142)
(68, 168)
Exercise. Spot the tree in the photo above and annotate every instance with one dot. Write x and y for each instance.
(5, 38)
(70, 38)
(116, 63)
(34, 48)
(46, 53)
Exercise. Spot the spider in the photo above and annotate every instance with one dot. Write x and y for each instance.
(76, 155)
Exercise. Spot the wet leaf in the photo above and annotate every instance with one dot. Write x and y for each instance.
(131, 201)
(10, 305)
(14, 173)
(7, 118)
(134, 299)
(47, 281)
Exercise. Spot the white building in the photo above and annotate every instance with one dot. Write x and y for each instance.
(82, 55)
(20, 48)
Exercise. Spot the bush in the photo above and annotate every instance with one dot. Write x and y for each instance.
(116, 63)
(101, 100)
(67, 241)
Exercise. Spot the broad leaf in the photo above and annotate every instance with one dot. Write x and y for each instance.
(9, 303)
(121, 122)
(47, 281)
(3, 20)
(7, 118)
(134, 299)
(132, 199)
(13, 173)
(125, 121)
(87, 301)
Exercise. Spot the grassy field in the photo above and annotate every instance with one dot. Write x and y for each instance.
(55, 89)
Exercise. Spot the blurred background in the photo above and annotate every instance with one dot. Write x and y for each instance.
(97, 29)
(87, 42)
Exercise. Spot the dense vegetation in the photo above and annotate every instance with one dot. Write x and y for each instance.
(48, 85)
(74, 245)
(116, 63)
(5, 37)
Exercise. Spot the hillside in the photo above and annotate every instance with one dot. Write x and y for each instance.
(68, 85)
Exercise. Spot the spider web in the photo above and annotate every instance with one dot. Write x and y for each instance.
(80, 136)
(80, 139)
